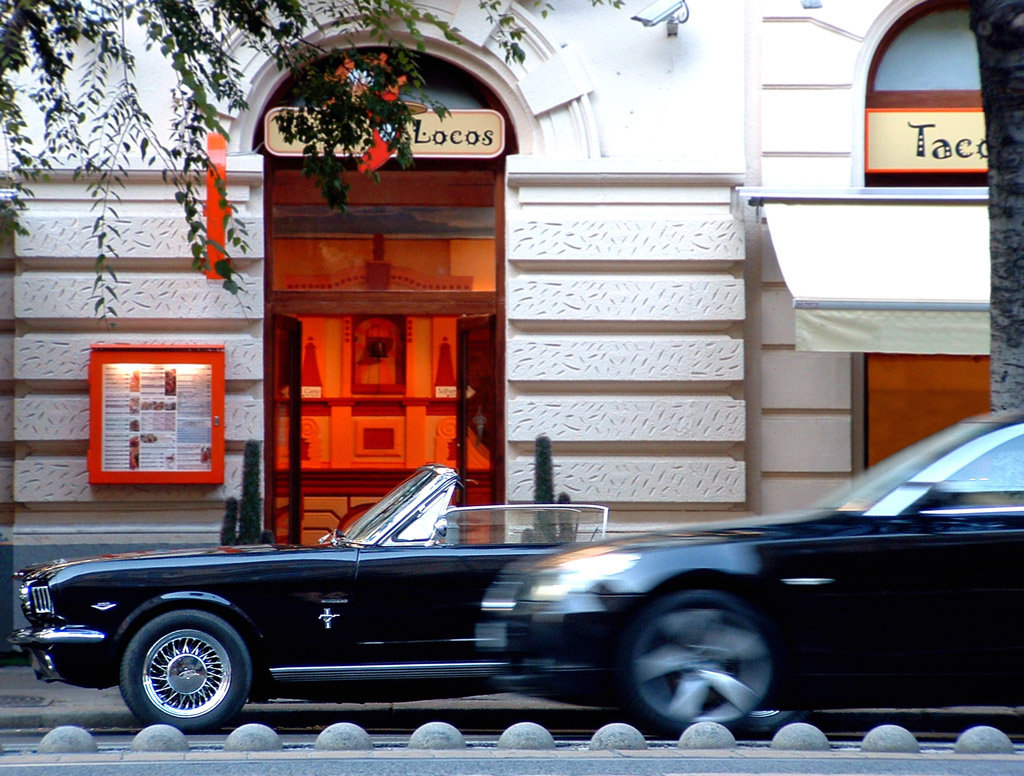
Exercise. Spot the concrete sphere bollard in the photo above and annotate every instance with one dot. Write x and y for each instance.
(343, 737)
(618, 735)
(437, 735)
(983, 739)
(800, 737)
(159, 738)
(253, 737)
(890, 738)
(707, 735)
(68, 739)
(526, 735)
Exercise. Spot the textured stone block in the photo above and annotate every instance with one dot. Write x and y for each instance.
(625, 298)
(61, 356)
(680, 480)
(622, 358)
(717, 238)
(161, 296)
(626, 419)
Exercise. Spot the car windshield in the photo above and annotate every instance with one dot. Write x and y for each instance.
(377, 518)
(867, 489)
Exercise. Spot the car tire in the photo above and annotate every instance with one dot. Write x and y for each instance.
(693, 657)
(186, 668)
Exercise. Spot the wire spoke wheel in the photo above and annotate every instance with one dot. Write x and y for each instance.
(186, 668)
(186, 673)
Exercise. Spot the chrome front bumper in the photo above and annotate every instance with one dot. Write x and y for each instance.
(47, 637)
(37, 642)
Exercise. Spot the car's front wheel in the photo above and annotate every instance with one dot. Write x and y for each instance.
(186, 668)
(693, 657)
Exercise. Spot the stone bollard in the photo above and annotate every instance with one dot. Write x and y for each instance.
(890, 738)
(437, 735)
(707, 735)
(343, 737)
(618, 735)
(68, 739)
(800, 737)
(253, 737)
(983, 739)
(526, 735)
(159, 738)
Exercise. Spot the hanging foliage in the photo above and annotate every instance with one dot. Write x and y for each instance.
(73, 67)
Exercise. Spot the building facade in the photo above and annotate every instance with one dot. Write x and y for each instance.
(619, 279)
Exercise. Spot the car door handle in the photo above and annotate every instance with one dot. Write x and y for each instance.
(807, 581)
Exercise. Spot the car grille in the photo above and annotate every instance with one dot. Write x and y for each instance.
(36, 599)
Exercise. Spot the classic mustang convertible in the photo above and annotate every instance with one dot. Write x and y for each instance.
(385, 611)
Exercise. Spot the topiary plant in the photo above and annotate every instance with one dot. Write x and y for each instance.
(229, 528)
(250, 507)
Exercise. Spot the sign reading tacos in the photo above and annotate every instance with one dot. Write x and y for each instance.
(462, 133)
(934, 140)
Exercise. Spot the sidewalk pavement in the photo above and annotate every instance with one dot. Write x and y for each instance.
(27, 703)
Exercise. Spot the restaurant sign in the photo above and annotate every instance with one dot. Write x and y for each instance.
(934, 140)
(478, 134)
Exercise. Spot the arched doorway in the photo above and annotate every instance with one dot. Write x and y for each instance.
(384, 330)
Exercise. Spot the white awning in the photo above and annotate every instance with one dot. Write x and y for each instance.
(885, 273)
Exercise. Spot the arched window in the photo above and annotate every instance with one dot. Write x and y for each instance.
(924, 99)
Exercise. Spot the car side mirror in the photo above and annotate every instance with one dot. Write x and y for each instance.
(438, 532)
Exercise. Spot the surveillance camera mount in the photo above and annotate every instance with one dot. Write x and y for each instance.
(672, 12)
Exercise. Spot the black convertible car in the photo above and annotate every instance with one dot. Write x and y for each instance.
(905, 590)
(385, 611)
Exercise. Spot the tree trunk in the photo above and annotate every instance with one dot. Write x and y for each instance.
(998, 26)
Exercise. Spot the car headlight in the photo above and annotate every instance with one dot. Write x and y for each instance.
(577, 574)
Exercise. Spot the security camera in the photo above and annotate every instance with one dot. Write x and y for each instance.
(663, 11)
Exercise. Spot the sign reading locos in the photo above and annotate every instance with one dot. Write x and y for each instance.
(463, 133)
(933, 140)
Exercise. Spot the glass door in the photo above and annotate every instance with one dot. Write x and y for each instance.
(286, 504)
(477, 426)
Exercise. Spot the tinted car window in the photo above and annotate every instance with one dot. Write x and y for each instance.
(879, 481)
(1000, 469)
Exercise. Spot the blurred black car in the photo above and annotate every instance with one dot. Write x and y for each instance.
(904, 590)
(384, 611)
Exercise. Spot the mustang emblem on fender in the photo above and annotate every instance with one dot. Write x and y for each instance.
(327, 617)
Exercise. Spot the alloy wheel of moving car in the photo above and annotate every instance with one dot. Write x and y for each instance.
(189, 669)
(695, 657)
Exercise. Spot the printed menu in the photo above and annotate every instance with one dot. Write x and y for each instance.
(157, 417)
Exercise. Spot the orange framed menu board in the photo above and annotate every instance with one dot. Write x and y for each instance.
(156, 414)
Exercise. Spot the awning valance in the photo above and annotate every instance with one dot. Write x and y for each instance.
(885, 273)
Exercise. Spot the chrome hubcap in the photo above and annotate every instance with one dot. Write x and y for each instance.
(186, 673)
(702, 665)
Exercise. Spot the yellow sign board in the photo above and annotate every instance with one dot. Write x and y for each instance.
(935, 140)
(479, 134)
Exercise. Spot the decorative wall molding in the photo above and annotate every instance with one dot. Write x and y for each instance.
(622, 358)
(626, 419)
(44, 356)
(718, 238)
(6, 297)
(6, 357)
(712, 480)
(50, 479)
(6, 481)
(625, 298)
(59, 235)
(140, 296)
(49, 418)
(7, 419)
(557, 80)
